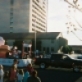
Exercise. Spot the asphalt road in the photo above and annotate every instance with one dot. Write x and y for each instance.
(59, 75)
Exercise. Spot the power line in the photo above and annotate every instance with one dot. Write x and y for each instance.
(76, 36)
(77, 22)
(76, 7)
(75, 28)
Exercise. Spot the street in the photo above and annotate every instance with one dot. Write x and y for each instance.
(59, 75)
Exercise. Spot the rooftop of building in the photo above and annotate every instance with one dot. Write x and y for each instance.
(42, 35)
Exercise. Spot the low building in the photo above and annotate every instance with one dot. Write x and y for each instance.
(50, 42)
(77, 48)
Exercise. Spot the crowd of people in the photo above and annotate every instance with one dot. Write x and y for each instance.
(14, 53)
(28, 74)
(17, 54)
(15, 74)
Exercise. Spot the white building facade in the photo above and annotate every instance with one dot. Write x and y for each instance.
(19, 16)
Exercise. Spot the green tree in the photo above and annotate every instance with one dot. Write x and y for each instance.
(66, 49)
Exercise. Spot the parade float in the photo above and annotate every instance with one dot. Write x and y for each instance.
(6, 61)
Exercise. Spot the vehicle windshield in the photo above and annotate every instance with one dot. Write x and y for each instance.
(75, 56)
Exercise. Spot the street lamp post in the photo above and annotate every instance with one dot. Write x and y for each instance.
(35, 40)
(35, 36)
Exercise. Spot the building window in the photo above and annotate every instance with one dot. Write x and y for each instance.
(11, 23)
(11, 29)
(33, 15)
(52, 49)
(40, 28)
(44, 49)
(33, 20)
(33, 29)
(11, 13)
(11, 2)
(52, 41)
(39, 7)
(33, 25)
(47, 49)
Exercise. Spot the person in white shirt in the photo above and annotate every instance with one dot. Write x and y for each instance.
(20, 75)
(1, 73)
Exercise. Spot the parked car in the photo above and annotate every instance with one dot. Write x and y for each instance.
(60, 60)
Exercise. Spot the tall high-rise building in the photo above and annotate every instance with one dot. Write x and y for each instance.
(23, 16)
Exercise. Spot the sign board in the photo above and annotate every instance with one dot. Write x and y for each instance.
(27, 45)
(9, 62)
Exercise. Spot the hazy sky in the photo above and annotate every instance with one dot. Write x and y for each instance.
(57, 17)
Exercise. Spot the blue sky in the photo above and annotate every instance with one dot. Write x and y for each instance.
(57, 17)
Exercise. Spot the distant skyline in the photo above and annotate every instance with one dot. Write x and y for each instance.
(57, 11)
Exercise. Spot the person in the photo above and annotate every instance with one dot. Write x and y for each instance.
(1, 73)
(26, 75)
(30, 68)
(6, 76)
(13, 74)
(15, 53)
(34, 77)
(15, 63)
(20, 75)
